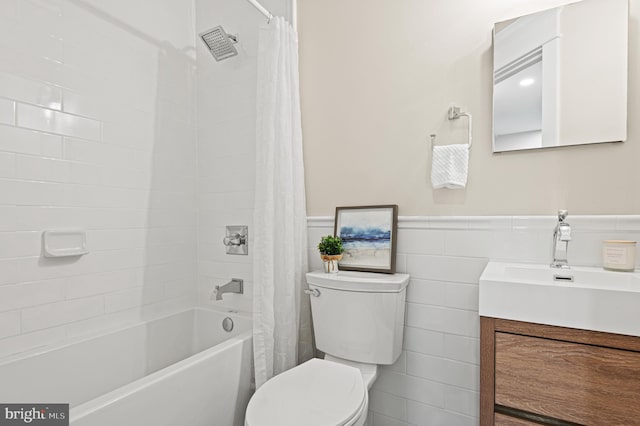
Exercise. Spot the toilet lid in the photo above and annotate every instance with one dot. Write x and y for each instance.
(316, 393)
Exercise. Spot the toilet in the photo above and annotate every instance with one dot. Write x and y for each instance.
(358, 321)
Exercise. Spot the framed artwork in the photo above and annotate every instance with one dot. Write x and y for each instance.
(369, 237)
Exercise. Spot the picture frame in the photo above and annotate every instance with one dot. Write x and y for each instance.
(368, 234)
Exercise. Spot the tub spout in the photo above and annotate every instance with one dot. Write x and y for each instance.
(236, 285)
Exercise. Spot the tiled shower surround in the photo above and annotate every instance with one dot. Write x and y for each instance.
(97, 132)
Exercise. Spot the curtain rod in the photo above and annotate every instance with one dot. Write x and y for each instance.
(262, 9)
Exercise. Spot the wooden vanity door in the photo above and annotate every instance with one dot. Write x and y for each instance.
(540, 374)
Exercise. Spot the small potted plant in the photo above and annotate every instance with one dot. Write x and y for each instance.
(331, 250)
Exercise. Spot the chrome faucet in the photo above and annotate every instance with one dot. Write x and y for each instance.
(561, 234)
(236, 285)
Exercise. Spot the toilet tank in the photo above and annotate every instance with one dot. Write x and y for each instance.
(359, 316)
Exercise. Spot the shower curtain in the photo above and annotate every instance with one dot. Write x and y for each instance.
(281, 313)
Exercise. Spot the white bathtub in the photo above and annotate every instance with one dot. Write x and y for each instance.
(180, 370)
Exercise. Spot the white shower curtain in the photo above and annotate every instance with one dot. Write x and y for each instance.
(281, 315)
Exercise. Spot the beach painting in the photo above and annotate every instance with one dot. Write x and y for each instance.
(368, 235)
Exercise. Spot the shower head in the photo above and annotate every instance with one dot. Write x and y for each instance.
(219, 43)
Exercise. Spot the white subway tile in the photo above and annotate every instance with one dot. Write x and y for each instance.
(19, 244)
(441, 293)
(81, 286)
(46, 120)
(25, 64)
(424, 341)
(461, 348)
(8, 217)
(446, 268)
(51, 8)
(233, 200)
(173, 289)
(462, 401)
(426, 292)
(224, 167)
(7, 165)
(28, 341)
(9, 9)
(469, 243)
(9, 271)
(16, 36)
(401, 263)
(236, 130)
(224, 270)
(86, 174)
(87, 105)
(461, 296)
(585, 248)
(166, 307)
(84, 151)
(410, 387)
(7, 111)
(36, 218)
(421, 241)
(521, 245)
(103, 323)
(31, 193)
(9, 324)
(30, 294)
(117, 238)
(42, 169)
(59, 313)
(126, 178)
(443, 370)
(171, 272)
(315, 263)
(447, 320)
(388, 404)
(377, 419)
(43, 16)
(36, 268)
(426, 415)
(25, 141)
(30, 91)
(132, 298)
(628, 223)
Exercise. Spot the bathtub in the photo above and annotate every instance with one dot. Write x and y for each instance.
(179, 370)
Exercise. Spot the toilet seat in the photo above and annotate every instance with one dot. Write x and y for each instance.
(316, 393)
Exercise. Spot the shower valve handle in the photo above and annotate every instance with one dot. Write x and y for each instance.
(235, 240)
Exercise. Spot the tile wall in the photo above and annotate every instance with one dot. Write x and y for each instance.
(226, 145)
(97, 132)
(436, 379)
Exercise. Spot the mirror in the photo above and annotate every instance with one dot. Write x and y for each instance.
(560, 77)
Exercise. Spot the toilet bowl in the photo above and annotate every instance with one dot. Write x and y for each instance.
(358, 323)
(318, 392)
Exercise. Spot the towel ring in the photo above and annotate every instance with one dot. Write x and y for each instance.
(454, 113)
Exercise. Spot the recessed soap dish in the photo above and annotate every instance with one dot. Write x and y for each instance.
(64, 243)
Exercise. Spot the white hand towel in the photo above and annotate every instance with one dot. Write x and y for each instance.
(450, 164)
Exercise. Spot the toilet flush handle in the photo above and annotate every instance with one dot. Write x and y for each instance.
(313, 292)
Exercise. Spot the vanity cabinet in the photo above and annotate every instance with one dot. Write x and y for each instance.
(539, 374)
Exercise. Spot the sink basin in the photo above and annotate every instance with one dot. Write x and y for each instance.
(580, 297)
